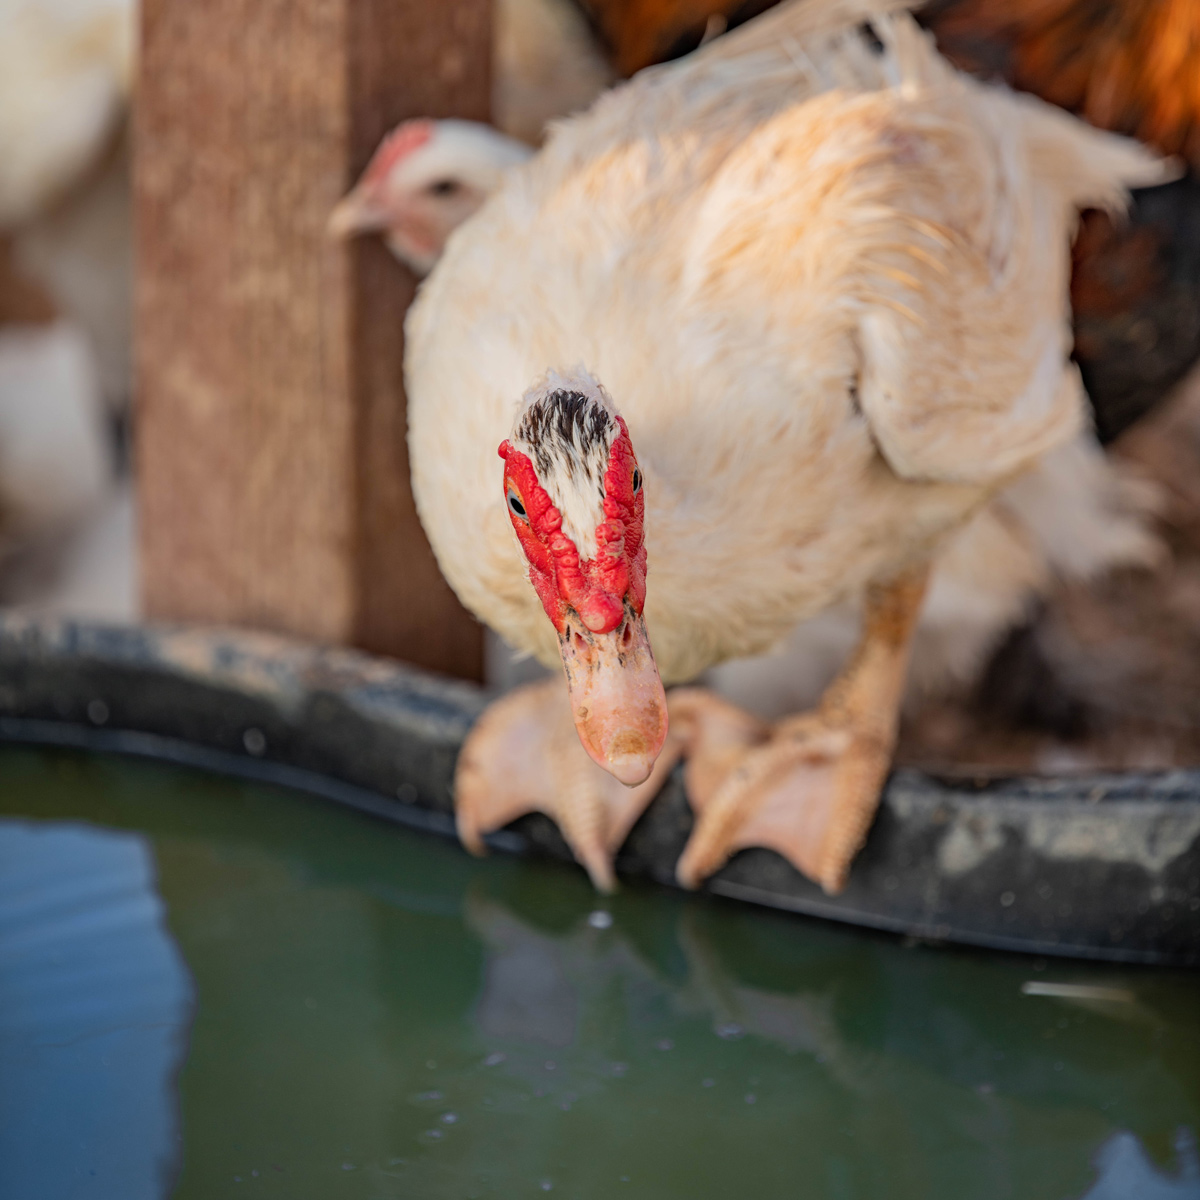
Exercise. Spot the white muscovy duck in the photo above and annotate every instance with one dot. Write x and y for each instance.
(1073, 515)
(823, 279)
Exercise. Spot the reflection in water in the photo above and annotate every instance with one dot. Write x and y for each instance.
(539, 988)
(527, 991)
(1126, 1173)
(380, 1016)
(930, 1080)
(95, 1001)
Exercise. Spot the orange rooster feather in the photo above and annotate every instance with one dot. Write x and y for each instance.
(1132, 66)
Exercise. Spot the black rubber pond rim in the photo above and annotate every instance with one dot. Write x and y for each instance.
(1095, 866)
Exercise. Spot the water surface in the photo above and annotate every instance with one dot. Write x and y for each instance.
(311, 1003)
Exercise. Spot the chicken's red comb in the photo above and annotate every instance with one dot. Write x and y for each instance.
(401, 142)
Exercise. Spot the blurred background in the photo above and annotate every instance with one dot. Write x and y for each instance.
(236, 455)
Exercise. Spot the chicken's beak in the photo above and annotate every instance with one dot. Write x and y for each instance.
(617, 698)
(359, 211)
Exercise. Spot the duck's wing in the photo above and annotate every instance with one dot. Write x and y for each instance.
(929, 222)
(966, 374)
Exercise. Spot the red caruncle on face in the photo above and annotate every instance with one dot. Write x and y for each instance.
(598, 589)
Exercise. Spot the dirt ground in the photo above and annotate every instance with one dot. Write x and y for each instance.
(1106, 675)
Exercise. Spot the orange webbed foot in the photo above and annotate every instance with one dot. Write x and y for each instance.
(807, 788)
(809, 785)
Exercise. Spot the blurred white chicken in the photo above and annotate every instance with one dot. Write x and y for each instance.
(428, 177)
(424, 181)
(65, 73)
(65, 76)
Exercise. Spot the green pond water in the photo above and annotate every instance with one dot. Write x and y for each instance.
(213, 989)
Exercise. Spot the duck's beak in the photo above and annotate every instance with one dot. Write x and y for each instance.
(617, 698)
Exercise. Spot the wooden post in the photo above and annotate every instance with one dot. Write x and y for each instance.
(272, 463)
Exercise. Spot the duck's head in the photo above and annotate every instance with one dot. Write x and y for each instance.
(424, 181)
(574, 494)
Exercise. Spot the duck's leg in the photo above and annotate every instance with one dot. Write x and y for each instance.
(807, 787)
(524, 755)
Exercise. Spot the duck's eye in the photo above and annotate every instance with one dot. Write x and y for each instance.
(444, 187)
(515, 505)
(637, 481)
